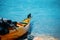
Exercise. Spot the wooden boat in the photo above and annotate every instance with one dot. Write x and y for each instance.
(21, 29)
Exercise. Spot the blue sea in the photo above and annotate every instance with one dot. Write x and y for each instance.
(45, 14)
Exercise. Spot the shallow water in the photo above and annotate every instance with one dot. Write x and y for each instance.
(45, 14)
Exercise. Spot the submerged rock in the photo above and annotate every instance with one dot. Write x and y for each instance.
(45, 38)
(41, 37)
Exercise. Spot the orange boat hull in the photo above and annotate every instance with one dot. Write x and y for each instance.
(17, 33)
